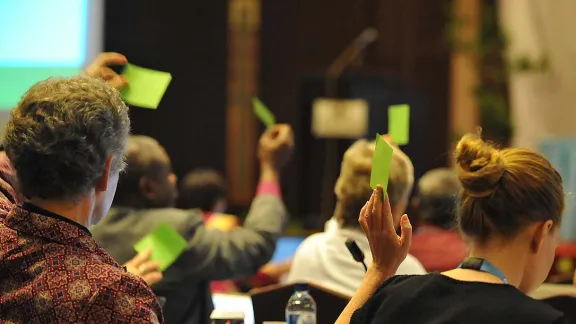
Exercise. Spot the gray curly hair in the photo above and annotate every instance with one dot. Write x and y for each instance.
(62, 133)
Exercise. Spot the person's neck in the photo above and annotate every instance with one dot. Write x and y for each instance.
(508, 257)
(79, 212)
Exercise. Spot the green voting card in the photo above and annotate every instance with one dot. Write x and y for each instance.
(399, 124)
(166, 245)
(381, 164)
(146, 87)
(263, 113)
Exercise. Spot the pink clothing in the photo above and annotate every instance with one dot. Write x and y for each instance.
(438, 249)
(269, 188)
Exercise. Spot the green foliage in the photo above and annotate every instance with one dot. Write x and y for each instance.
(495, 68)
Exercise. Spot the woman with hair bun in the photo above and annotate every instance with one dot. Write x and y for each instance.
(510, 209)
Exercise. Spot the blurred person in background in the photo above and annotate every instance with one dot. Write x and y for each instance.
(323, 258)
(437, 242)
(205, 189)
(145, 198)
(510, 210)
(64, 149)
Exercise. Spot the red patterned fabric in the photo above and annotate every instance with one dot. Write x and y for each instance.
(52, 271)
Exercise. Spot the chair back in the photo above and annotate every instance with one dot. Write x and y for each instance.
(270, 303)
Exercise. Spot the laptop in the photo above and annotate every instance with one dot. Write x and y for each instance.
(286, 248)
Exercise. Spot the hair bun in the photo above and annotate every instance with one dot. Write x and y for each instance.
(479, 166)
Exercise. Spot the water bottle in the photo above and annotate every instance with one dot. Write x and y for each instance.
(301, 307)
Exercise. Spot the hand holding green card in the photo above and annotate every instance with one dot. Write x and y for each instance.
(146, 87)
(399, 124)
(381, 164)
(263, 113)
(166, 245)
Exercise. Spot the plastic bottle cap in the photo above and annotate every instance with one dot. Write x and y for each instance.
(301, 286)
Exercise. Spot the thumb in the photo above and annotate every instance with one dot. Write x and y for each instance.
(141, 258)
(406, 235)
(117, 82)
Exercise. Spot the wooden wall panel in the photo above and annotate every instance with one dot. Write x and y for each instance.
(243, 61)
(188, 39)
(301, 38)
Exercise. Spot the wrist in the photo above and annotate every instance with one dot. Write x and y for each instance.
(268, 172)
(378, 274)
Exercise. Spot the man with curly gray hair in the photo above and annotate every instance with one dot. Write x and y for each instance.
(64, 150)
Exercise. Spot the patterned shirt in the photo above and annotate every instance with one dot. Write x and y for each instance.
(52, 270)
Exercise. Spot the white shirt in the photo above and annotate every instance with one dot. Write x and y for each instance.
(323, 259)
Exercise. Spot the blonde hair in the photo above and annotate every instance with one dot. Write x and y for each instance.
(503, 190)
(353, 185)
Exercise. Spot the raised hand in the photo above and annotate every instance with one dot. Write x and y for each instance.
(99, 68)
(276, 145)
(143, 268)
(388, 249)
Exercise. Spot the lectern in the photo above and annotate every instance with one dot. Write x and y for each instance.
(320, 167)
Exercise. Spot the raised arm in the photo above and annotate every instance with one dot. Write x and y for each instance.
(214, 254)
(388, 251)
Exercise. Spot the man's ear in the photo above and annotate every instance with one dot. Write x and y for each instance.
(148, 189)
(102, 184)
(539, 233)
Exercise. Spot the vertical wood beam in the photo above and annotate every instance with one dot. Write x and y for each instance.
(464, 112)
(243, 71)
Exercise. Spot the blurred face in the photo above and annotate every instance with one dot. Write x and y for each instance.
(171, 189)
(160, 187)
(541, 260)
(220, 206)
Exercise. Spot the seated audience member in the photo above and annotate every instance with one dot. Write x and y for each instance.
(510, 209)
(323, 258)
(145, 196)
(437, 243)
(333, 224)
(64, 146)
(205, 189)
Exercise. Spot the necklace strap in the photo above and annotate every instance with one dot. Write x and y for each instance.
(479, 264)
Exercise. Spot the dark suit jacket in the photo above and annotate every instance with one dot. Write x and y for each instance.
(210, 254)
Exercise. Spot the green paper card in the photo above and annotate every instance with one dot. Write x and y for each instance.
(166, 245)
(263, 113)
(381, 164)
(146, 87)
(399, 124)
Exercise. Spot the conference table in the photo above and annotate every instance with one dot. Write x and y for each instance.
(235, 303)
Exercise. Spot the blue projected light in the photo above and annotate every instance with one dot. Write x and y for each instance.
(41, 39)
(43, 33)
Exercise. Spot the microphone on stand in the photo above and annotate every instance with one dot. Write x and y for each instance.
(326, 125)
(350, 53)
(357, 254)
